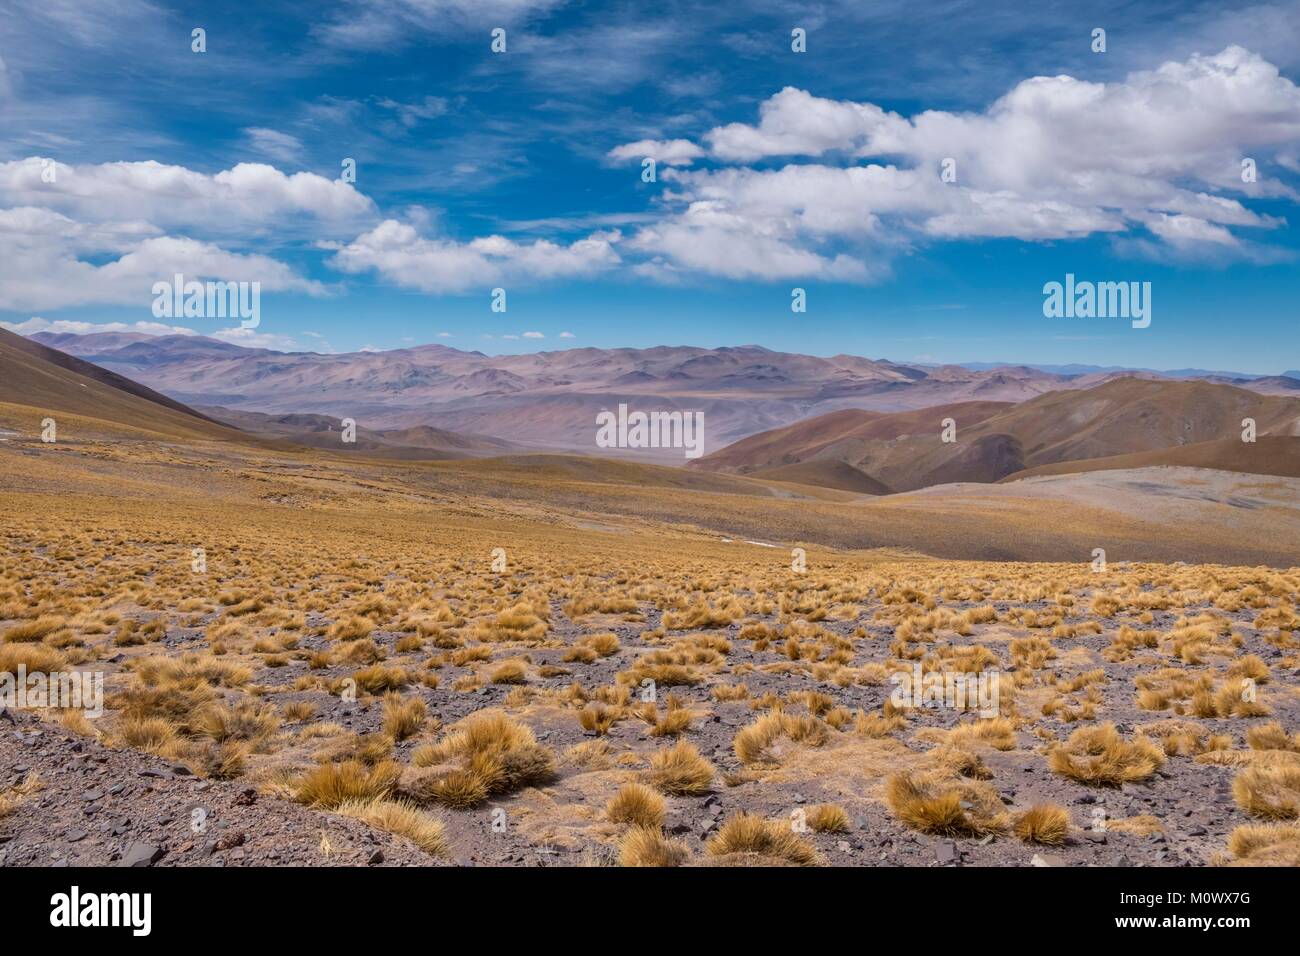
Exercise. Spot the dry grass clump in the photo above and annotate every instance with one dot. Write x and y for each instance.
(647, 846)
(753, 743)
(401, 818)
(751, 835)
(680, 771)
(246, 721)
(519, 622)
(598, 718)
(484, 755)
(332, 784)
(829, 818)
(153, 735)
(403, 717)
(936, 802)
(36, 658)
(33, 631)
(638, 805)
(377, 679)
(1045, 823)
(1276, 844)
(592, 646)
(674, 721)
(1100, 757)
(1272, 792)
(11, 797)
(510, 672)
(350, 629)
(297, 711)
(1272, 736)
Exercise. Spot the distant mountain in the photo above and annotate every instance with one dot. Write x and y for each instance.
(994, 441)
(550, 400)
(1075, 369)
(419, 442)
(546, 400)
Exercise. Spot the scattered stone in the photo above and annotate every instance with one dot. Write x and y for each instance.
(141, 855)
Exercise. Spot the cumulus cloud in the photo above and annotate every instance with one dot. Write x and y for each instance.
(398, 253)
(247, 196)
(102, 234)
(251, 339)
(669, 152)
(52, 261)
(37, 324)
(1157, 154)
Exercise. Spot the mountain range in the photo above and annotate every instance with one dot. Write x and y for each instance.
(549, 400)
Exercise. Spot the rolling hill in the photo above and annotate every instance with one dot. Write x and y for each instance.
(50, 381)
(1156, 420)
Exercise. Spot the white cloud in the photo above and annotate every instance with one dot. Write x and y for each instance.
(252, 339)
(1055, 158)
(99, 234)
(38, 324)
(50, 262)
(566, 335)
(412, 114)
(669, 152)
(274, 143)
(796, 123)
(233, 201)
(370, 24)
(402, 256)
(534, 335)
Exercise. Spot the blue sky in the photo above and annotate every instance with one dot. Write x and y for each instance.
(776, 170)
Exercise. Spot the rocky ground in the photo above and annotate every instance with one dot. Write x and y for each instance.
(101, 807)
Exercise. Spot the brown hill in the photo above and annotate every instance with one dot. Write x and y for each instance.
(1269, 455)
(48, 380)
(1124, 416)
(420, 442)
(825, 473)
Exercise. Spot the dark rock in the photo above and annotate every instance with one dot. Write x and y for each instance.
(141, 854)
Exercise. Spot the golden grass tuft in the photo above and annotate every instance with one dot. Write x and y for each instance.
(750, 834)
(400, 818)
(647, 846)
(829, 818)
(1275, 844)
(680, 771)
(488, 754)
(1271, 792)
(937, 802)
(638, 805)
(1045, 823)
(403, 717)
(1099, 756)
(332, 784)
